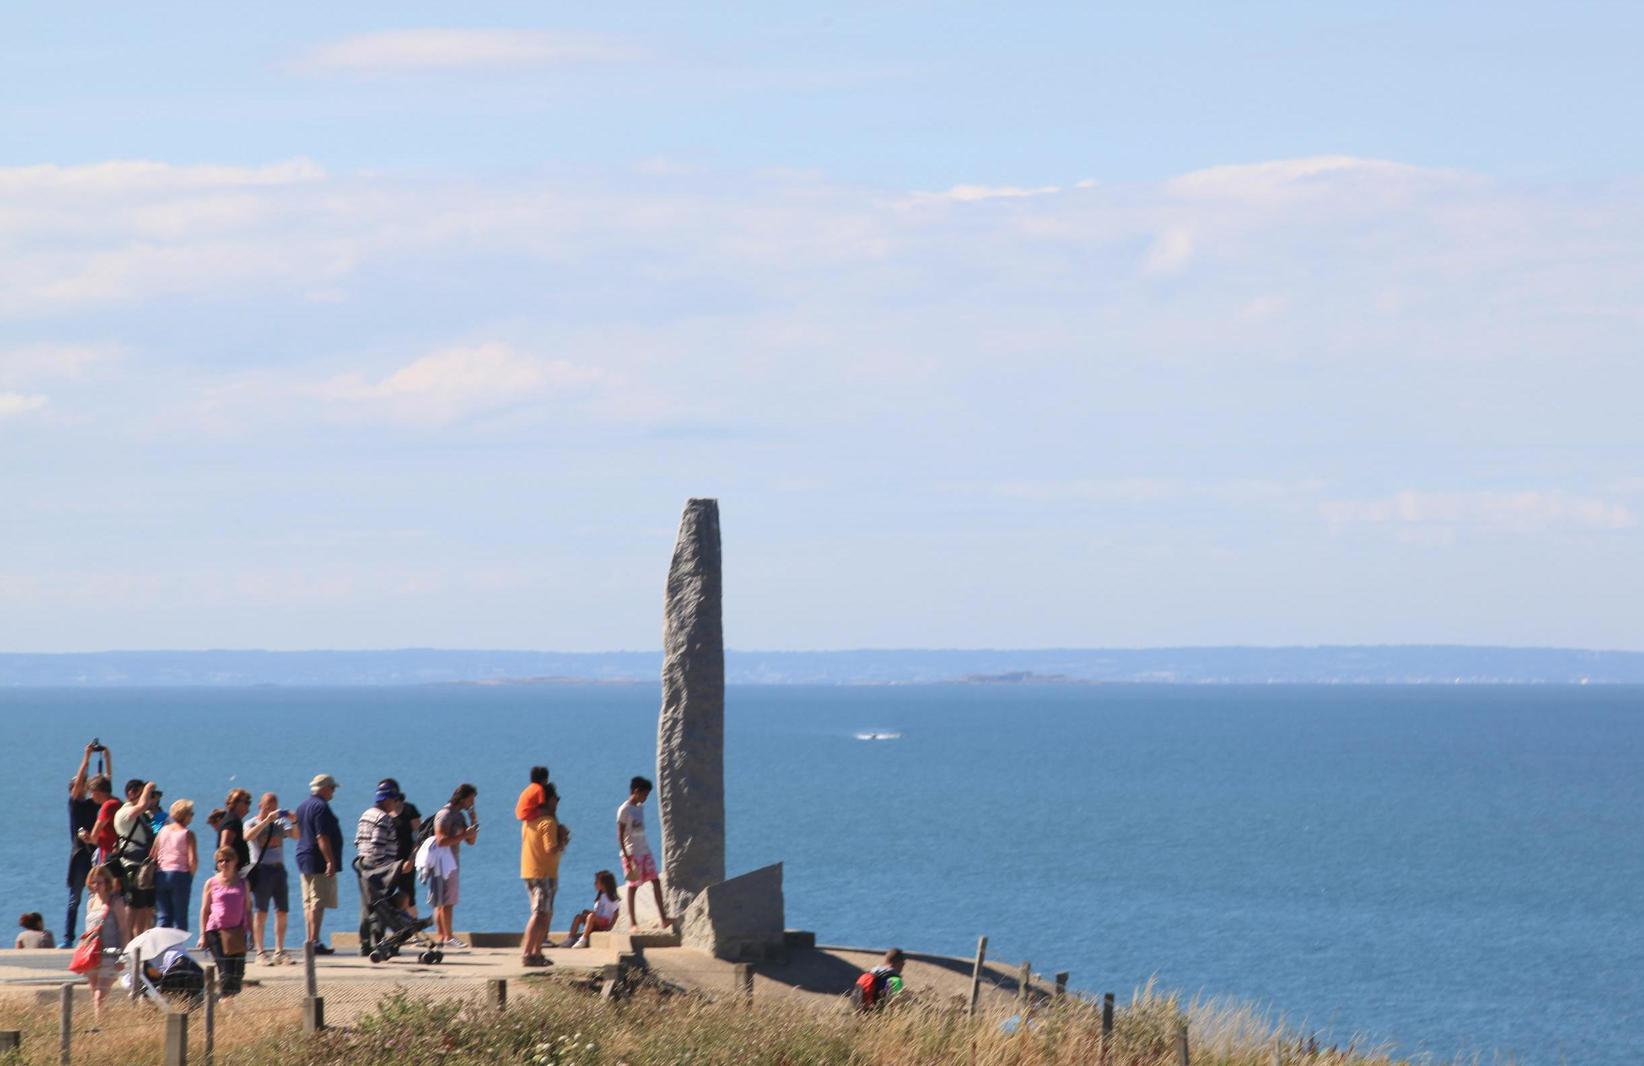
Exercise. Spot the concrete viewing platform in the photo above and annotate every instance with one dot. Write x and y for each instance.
(802, 974)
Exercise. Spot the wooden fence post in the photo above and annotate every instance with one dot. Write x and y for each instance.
(1061, 984)
(1024, 985)
(209, 1010)
(743, 981)
(313, 1004)
(136, 975)
(11, 1042)
(1182, 1058)
(1107, 1025)
(176, 1052)
(976, 972)
(65, 1024)
(497, 993)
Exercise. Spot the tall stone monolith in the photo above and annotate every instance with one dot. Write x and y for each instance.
(690, 747)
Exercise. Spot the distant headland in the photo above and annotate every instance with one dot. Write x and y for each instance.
(1411, 664)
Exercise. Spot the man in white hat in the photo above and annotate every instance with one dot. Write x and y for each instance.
(319, 849)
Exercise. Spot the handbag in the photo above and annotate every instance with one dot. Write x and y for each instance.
(232, 941)
(89, 955)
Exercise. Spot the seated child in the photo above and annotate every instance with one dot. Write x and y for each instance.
(34, 934)
(603, 915)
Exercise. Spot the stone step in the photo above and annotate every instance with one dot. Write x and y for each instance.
(628, 943)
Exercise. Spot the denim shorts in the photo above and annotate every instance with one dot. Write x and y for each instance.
(270, 884)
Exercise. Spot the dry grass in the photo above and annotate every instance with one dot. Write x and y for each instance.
(559, 1026)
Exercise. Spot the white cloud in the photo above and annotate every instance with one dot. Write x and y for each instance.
(970, 194)
(399, 51)
(1524, 511)
(1289, 176)
(39, 362)
(122, 176)
(13, 404)
(1170, 251)
(451, 384)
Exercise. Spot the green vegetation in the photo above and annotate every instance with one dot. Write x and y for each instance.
(556, 1025)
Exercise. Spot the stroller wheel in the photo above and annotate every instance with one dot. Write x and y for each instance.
(378, 956)
(439, 957)
(426, 958)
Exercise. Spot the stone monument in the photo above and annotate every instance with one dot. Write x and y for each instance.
(690, 748)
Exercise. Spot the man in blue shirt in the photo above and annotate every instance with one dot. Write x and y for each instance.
(319, 847)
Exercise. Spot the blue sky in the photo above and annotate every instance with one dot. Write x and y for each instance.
(1085, 325)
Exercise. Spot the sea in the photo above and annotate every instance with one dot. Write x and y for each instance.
(1442, 870)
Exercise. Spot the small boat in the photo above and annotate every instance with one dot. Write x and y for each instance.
(879, 736)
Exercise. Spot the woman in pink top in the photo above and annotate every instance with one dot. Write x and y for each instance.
(225, 920)
(175, 857)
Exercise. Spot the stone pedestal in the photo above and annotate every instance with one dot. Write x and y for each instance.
(690, 773)
(741, 919)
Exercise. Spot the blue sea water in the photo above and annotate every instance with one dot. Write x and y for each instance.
(1450, 870)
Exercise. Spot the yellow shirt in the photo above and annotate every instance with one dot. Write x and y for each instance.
(539, 849)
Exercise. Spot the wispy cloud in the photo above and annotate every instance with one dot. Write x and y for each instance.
(42, 362)
(1267, 180)
(1524, 511)
(971, 194)
(411, 50)
(453, 383)
(148, 176)
(13, 404)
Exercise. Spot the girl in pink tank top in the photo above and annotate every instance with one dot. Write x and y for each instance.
(225, 920)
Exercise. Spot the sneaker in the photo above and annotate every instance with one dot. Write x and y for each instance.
(282, 957)
(321, 949)
(454, 944)
(581, 943)
(534, 960)
(265, 958)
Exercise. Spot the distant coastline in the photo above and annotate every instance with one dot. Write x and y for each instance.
(1413, 664)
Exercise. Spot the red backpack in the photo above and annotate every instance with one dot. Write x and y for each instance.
(870, 986)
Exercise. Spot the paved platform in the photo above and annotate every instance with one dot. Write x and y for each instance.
(814, 975)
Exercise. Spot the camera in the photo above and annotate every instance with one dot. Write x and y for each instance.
(97, 745)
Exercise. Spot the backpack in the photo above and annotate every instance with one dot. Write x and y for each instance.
(869, 991)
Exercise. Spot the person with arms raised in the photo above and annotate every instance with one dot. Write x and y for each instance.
(87, 797)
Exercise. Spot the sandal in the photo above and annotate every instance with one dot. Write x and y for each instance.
(264, 958)
(534, 960)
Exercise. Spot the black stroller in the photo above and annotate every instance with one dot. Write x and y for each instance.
(384, 926)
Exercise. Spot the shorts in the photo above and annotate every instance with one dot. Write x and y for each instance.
(442, 891)
(140, 899)
(319, 892)
(639, 868)
(542, 891)
(270, 884)
(596, 924)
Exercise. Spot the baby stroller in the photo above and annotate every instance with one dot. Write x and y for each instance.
(169, 971)
(386, 925)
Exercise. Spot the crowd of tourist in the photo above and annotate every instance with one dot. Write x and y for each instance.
(134, 863)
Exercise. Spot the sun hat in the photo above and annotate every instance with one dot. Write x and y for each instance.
(322, 781)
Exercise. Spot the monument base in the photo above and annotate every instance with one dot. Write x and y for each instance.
(739, 920)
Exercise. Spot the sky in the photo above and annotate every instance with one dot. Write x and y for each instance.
(989, 325)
